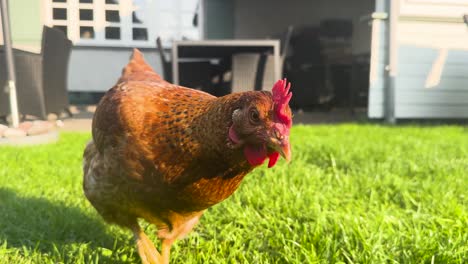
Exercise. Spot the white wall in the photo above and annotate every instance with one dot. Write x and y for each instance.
(97, 69)
(255, 19)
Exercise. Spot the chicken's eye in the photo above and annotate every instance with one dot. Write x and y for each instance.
(254, 116)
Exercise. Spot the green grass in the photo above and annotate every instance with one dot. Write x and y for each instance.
(353, 194)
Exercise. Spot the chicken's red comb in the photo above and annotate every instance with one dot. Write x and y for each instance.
(281, 97)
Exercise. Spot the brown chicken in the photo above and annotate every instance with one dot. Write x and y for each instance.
(166, 153)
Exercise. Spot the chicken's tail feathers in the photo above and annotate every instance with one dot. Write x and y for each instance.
(138, 69)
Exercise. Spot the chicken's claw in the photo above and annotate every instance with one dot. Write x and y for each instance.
(146, 249)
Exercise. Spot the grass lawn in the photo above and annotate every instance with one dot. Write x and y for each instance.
(353, 194)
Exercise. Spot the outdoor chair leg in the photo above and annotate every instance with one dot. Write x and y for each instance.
(68, 111)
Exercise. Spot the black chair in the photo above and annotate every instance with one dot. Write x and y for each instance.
(194, 74)
(41, 78)
(306, 69)
(359, 90)
(336, 41)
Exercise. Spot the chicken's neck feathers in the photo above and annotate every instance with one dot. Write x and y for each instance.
(212, 128)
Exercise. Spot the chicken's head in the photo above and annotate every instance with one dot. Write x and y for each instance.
(261, 125)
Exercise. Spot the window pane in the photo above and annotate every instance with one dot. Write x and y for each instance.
(112, 2)
(86, 14)
(189, 5)
(86, 1)
(135, 18)
(140, 34)
(59, 1)
(112, 33)
(112, 16)
(86, 32)
(59, 13)
(62, 28)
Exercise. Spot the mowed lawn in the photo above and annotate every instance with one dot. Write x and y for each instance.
(352, 194)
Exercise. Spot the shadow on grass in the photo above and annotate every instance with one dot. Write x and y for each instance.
(37, 224)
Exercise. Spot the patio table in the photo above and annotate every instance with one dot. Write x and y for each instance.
(218, 49)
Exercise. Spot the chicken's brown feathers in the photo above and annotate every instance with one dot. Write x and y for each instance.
(162, 152)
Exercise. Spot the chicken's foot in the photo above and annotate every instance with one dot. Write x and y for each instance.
(146, 249)
(166, 250)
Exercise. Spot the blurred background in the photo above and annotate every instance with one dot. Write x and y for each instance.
(377, 59)
(360, 191)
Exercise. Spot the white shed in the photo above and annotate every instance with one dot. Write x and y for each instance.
(419, 60)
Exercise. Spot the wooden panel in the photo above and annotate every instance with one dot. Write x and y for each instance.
(415, 109)
(423, 70)
(432, 68)
(433, 35)
(437, 8)
(432, 28)
(446, 84)
(431, 103)
(457, 56)
(412, 54)
(431, 111)
(431, 97)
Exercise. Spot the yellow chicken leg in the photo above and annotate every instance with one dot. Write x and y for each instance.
(146, 249)
(166, 250)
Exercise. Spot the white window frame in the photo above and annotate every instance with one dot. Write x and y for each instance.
(125, 7)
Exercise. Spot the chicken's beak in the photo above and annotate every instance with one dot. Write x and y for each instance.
(285, 151)
(281, 144)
